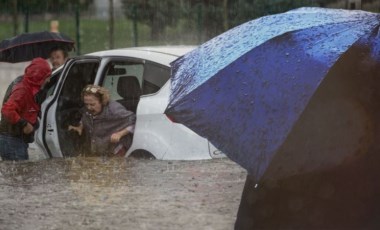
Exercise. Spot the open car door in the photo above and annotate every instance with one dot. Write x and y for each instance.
(62, 107)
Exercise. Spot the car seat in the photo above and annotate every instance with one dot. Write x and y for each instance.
(128, 87)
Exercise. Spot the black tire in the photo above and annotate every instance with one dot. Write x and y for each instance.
(142, 154)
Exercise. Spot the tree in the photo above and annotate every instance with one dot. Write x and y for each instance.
(111, 24)
(52, 6)
(15, 17)
(211, 16)
(156, 14)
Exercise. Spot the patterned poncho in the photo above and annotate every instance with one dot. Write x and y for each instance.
(99, 128)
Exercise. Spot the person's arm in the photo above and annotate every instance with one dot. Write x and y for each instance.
(115, 137)
(119, 112)
(13, 106)
(11, 111)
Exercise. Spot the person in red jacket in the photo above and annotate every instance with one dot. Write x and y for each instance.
(19, 113)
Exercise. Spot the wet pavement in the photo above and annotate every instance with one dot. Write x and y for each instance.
(114, 193)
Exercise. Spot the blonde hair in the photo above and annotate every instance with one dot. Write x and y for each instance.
(101, 93)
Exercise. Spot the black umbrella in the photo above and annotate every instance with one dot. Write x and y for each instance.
(27, 46)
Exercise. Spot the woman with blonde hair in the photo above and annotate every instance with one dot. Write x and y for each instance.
(106, 124)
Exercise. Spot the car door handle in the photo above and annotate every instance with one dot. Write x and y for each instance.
(50, 130)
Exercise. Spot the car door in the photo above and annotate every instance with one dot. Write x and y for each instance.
(53, 80)
(61, 107)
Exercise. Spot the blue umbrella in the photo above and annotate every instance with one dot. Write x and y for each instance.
(283, 94)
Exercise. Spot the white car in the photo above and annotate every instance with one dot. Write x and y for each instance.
(138, 78)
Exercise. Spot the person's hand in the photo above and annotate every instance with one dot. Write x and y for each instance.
(115, 138)
(28, 128)
(77, 129)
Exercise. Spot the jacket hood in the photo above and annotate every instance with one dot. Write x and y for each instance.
(37, 72)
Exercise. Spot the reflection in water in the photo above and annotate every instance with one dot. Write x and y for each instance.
(100, 193)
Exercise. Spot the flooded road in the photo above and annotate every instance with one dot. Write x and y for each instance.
(114, 193)
(94, 193)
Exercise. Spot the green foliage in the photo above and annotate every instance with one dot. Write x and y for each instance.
(244, 10)
(210, 16)
(93, 32)
(38, 6)
(157, 14)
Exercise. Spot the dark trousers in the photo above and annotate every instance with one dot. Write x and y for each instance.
(13, 148)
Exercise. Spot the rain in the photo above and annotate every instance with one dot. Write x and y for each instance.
(102, 192)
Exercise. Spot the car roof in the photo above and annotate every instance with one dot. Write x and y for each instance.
(160, 54)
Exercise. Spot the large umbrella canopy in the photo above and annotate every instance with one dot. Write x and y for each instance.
(27, 46)
(286, 93)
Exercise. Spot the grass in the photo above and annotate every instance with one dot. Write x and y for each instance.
(94, 33)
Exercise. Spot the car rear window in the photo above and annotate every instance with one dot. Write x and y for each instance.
(151, 76)
(155, 76)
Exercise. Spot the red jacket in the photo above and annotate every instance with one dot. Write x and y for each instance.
(21, 105)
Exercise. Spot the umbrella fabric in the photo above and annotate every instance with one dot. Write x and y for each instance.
(247, 89)
(27, 46)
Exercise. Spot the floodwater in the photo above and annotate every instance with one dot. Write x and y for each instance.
(119, 193)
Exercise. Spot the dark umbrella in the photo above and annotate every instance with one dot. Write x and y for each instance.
(285, 94)
(27, 46)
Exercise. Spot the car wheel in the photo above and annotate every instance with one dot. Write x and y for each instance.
(142, 154)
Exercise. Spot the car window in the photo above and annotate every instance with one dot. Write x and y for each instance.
(150, 76)
(155, 76)
(50, 86)
(118, 70)
(79, 75)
